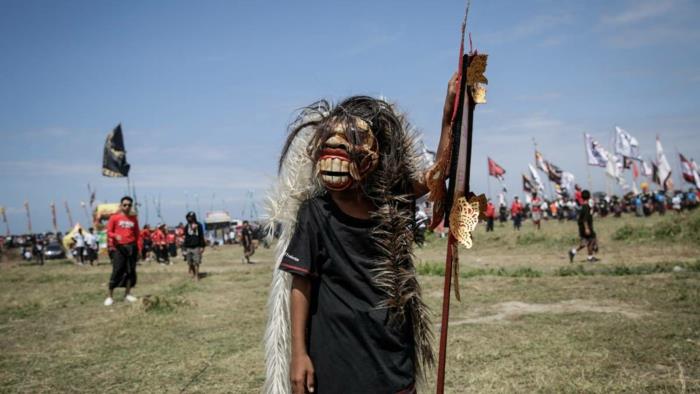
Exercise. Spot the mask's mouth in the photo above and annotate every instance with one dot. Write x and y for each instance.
(334, 168)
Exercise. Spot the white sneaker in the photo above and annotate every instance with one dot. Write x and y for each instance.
(109, 301)
(131, 298)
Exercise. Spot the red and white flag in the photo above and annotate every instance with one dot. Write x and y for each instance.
(687, 168)
(495, 170)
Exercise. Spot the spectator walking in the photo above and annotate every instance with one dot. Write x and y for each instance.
(193, 244)
(123, 236)
(247, 241)
(585, 231)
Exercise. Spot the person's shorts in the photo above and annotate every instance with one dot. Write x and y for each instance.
(192, 256)
(536, 216)
(586, 238)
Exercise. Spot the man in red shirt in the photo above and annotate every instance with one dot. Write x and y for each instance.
(146, 243)
(160, 244)
(123, 236)
(490, 216)
(516, 212)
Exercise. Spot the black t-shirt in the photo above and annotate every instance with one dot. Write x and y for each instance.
(194, 236)
(351, 345)
(585, 216)
(246, 236)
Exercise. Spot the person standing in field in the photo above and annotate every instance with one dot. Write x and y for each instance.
(490, 216)
(193, 244)
(159, 244)
(91, 246)
(516, 212)
(147, 243)
(585, 231)
(247, 241)
(536, 205)
(123, 236)
(79, 247)
(171, 240)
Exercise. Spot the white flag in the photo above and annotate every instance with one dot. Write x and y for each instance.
(567, 182)
(595, 152)
(541, 164)
(614, 169)
(663, 167)
(536, 178)
(646, 169)
(626, 145)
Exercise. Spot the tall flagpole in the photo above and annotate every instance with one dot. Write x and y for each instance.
(488, 180)
(70, 217)
(4, 219)
(29, 216)
(588, 166)
(54, 222)
(87, 216)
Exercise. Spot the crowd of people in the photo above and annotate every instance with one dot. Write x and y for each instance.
(563, 208)
(160, 244)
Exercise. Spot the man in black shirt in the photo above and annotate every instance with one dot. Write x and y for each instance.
(585, 230)
(193, 244)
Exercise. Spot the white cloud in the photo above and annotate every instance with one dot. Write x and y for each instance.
(646, 23)
(47, 168)
(638, 11)
(662, 34)
(529, 27)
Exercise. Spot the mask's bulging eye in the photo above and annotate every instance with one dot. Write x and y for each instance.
(340, 161)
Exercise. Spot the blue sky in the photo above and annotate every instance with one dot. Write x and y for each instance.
(205, 90)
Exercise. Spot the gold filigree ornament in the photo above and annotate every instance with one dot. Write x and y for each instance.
(464, 217)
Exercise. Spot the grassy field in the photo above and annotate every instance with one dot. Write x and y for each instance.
(528, 322)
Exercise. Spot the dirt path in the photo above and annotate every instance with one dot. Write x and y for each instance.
(505, 311)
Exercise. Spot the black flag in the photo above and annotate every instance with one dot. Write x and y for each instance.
(527, 185)
(114, 159)
(555, 173)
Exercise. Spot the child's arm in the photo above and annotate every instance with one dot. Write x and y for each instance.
(420, 187)
(302, 370)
